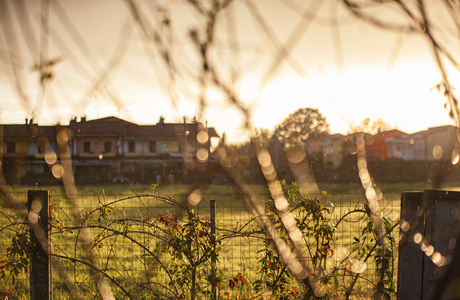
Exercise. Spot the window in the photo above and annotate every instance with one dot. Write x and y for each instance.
(11, 147)
(153, 147)
(87, 147)
(131, 146)
(108, 146)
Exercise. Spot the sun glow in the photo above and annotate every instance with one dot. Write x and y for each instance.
(403, 98)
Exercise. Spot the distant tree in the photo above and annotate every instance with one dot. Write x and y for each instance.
(371, 127)
(262, 136)
(298, 127)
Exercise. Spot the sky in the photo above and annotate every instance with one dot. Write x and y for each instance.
(106, 66)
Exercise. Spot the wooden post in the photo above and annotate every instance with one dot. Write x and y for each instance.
(410, 268)
(430, 226)
(212, 204)
(40, 267)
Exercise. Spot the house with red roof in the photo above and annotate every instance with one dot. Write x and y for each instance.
(378, 145)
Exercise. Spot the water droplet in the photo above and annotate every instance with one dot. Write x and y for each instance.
(329, 206)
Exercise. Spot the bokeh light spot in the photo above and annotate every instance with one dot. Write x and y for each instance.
(418, 238)
(340, 253)
(295, 154)
(202, 137)
(436, 258)
(296, 235)
(429, 250)
(202, 154)
(32, 217)
(50, 157)
(437, 152)
(195, 197)
(36, 205)
(264, 159)
(358, 267)
(58, 171)
(455, 157)
(62, 137)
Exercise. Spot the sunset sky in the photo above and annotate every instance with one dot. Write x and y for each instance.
(346, 68)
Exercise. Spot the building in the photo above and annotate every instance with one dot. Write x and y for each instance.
(435, 143)
(101, 150)
(378, 145)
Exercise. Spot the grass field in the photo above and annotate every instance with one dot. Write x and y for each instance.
(120, 258)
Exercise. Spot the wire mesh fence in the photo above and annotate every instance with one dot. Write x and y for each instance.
(125, 249)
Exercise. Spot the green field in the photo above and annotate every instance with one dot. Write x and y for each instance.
(119, 189)
(126, 262)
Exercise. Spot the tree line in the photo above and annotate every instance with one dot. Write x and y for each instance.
(307, 124)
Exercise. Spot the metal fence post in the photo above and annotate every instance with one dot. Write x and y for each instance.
(40, 269)
(212, 204)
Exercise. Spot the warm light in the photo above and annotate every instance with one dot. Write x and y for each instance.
(264, 159)
(295, 155)
(32, 217)
(62, 137)
(281, 204)
(36, 205)
(71, 191)
(202, 154)
(358, 267)
(370, 193)
(296, 235)
(429, 250)
(436, 258)
(455, 157)
(195, 197)
(50, 157)
(295, 267)
(418, 238)
(437, 152)
(320, 290)
(58, 171)
(202, 137)
(340, 254)
(364, 174)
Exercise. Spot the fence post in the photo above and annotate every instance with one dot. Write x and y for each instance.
(212, 204)
(40, 269)
(428, 234)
